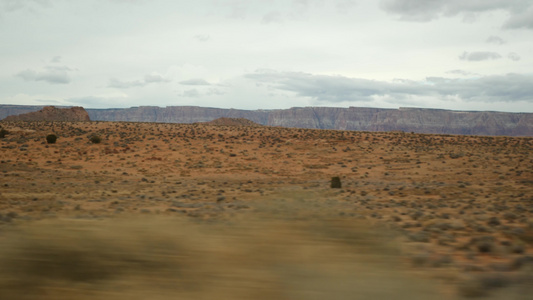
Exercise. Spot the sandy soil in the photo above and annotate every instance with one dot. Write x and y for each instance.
(459, 208)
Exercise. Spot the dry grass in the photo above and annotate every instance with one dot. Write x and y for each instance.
(258, 256)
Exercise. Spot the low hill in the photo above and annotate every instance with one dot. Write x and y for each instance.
(52, 113)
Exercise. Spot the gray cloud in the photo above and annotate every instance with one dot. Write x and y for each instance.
(215, 92)
(322, 87)
(154, 78)
(495, 40)
(498, 88)
(520, 11)
(413, 10)
(301, 6)
(196, 81)
(195, 93)
(192, 93)
(128, 1)
(461, 72)
(201, 88)
(344, 6)
(479, 56)
(90, 101)
(148, 79)
(50, 74)
(277, 11)
(513, 56)
(58, 69)
(202, 37)
(298, 9)
(272, 17)
(238, 9)
(524, 19)
(99, 101)
(118, 84)
(55, 59)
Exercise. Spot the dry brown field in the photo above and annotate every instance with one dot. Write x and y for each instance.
(195, 211)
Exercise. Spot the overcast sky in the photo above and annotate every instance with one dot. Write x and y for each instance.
(267, 54)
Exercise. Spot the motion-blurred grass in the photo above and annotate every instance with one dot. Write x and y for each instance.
(261, 255)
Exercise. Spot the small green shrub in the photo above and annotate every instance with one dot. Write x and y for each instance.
(95, 139)
(51, 138)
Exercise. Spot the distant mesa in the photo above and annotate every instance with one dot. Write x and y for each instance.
(232, 122)
(417, 120)
(52, 113)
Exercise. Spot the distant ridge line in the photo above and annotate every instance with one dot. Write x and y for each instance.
(406, 119)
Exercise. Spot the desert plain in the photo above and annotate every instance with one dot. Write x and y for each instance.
(201, 211)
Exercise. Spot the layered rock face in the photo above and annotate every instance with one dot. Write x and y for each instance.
(353, 118)
(14, 110)
(232, 122)
(52, 113)
(175, 114)
(454, 122)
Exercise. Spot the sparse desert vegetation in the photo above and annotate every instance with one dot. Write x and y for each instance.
(254, 213)
(3, 133)
(51, 138)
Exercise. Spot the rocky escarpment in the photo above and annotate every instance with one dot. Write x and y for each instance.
(454, 122)
(14, 110)
(352, 118)
(52, 113)
(231, 122)
(406, 119)
(175, 114)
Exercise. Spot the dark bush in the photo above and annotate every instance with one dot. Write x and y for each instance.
(95, 139)
(3, 133)
(51, 138)
(336, 182)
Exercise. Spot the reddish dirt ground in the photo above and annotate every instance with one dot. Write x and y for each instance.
(460, 206)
